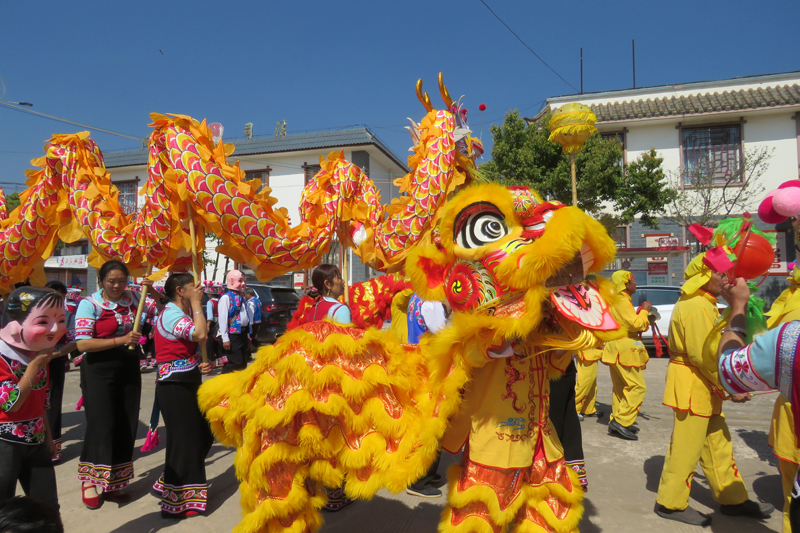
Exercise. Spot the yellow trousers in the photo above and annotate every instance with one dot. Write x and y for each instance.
(586, 387)
(788, 471)
(629, 391)
(696, 438)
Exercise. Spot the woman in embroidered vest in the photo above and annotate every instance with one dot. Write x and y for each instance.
(327, 287)
(179, 328)
(112, 384)
(33, 322)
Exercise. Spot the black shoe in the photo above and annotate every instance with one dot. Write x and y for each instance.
(634, 428)
(597, 414)
(425, 492)
(436, 478)
(620, 430)
(748, 508)
(687, 516)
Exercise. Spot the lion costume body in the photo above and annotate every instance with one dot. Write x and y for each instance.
(328, 401)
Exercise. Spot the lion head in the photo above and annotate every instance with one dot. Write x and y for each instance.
(512, 265)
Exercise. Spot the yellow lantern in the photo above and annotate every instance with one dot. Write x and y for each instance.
(570, 126)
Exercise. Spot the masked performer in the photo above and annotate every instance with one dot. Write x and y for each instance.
(112, 384)
(700, 432)
(234, 321)
(179, 329)
(627, 357)
(58, 367)
(33, 322)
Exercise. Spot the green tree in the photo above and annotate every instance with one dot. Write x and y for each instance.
(522, 155)
(12, 202)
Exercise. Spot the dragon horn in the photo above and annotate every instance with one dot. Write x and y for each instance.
(425, 99)
(445, 95)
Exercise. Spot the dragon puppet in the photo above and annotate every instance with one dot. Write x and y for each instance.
(329, 403)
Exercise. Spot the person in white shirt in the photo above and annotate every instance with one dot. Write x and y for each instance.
(234, 323)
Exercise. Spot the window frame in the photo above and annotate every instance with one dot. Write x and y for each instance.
(621, 133)
(267, 170)
(307, 174)
(135, 182)
(718, 183)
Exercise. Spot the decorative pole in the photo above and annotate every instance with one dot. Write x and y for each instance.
(140, 307)
(195, 269)
(570, 126)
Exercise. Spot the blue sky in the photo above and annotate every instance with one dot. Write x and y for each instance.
(329, 64)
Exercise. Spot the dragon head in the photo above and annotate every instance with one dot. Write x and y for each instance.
(514, 266)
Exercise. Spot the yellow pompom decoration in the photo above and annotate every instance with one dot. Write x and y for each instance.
(571, 125)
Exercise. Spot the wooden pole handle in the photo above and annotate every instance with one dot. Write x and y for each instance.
(195, 269)
(140, 307)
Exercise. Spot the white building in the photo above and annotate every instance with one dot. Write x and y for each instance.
(713, 121)
(285, 164)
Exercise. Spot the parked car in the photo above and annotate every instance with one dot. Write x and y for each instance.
(277, 306)
(663, 298)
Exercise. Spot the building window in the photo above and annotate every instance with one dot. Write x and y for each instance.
(128, 195)
(712, 153)
(618, 136)
(260, 174)
(310, 171)
(621, 236)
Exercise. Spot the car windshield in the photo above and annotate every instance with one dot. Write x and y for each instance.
(657, 296)
(284, 295)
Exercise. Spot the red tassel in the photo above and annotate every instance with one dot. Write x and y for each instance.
(151, 441)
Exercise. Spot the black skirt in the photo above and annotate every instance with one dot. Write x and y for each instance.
(112, 389)
(183, 484)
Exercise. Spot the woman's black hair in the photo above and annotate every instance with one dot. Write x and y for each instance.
(24, 300)
(324, 272)
(175, 281)
(23, 514)
(110, 266)
(56, 286)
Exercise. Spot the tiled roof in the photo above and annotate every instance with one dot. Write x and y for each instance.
(268, 145)
(741, 100)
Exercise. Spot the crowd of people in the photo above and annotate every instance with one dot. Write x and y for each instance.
(101, 328)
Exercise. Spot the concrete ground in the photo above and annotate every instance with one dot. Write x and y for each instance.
(623, 477)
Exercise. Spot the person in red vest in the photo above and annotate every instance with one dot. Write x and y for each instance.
(179, 329)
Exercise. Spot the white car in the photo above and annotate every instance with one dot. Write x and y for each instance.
(663, 298)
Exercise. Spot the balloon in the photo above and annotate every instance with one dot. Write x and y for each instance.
(790, 183)
(482, 107)
(786, 202)
(767, 213)
(756, 259)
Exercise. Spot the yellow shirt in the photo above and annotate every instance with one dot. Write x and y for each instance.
(628, 351)
(691, 375)
(591, 355)
(505, 407)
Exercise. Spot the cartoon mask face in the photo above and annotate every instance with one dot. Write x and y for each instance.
(504, 250)
(236, 281)
(34, 319)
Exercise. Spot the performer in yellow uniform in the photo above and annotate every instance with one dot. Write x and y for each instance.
(586, 386)
(781, 432)
(692, 390)
(626, 358)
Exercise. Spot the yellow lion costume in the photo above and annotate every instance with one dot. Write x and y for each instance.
(328, 401)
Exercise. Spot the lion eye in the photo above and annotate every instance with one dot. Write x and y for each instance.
(481, 228)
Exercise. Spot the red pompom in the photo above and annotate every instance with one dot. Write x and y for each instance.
(768, 214)
(482, 107)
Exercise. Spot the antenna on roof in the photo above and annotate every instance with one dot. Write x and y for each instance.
(581, 70)
(633, 51)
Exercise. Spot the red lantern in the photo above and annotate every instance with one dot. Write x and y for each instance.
(482, 107)
(756, 259)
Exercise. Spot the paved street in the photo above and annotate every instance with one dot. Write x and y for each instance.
(623, 477)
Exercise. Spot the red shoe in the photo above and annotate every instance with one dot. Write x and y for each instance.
(93, 502)
(179, 516)
(117, 496)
